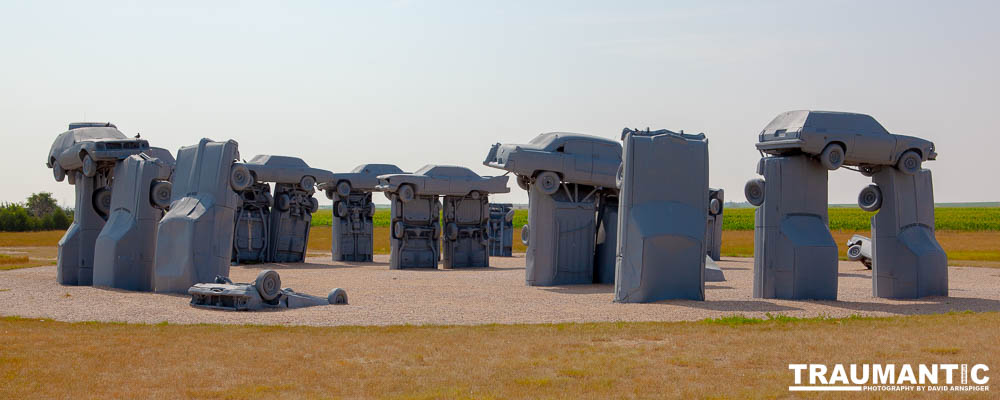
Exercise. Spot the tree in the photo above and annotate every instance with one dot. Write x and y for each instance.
(41, 204)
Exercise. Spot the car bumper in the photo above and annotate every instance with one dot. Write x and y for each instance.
(780, 144)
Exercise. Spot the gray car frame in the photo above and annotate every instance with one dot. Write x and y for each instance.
(842, 138)
(89, 146)
(572, 157)
(442, 180)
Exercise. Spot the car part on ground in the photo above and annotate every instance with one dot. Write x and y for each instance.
(264, 292)
(662, 217)
(353, 210)
(859, 248)
(125, 249)
(795, 256)
(194, 240)
(501, 229)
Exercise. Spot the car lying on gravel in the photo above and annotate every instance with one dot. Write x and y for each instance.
(264, 292)
(840, 138)
(859, 248)
(444, 180)
(91, 146)
(362, 177)
(559, 157)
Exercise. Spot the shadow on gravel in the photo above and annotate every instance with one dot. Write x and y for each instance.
(580, 289)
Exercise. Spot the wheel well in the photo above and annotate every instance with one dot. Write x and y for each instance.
(842, 145)
(82, 154)
(539, 171)
(915, 150)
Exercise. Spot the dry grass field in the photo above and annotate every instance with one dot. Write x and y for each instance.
(727, 358)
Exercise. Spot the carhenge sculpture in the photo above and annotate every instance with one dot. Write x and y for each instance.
(570, 179)
(194, 240)
(125, 249)
(501, 229)
(415, 228)
(86, 155)
(353, 210)
(794, 254)
(663, 209)
(274, 227)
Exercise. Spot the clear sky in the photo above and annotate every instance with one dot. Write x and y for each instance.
(412, 83)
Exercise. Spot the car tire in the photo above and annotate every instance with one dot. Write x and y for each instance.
(524, 182)
(406, 193)
(308, 184)
(371, 210)
(240, 178)
(283, 202)
(870, 198)
(268, 284)
(344, 188)
(524, 234)
(854, 253)
(909, 163)
(159, 194)
(337, 296)
(102, 201)
(341, 209)
(330, 194)
(313, 205)
(451, 231)
(89, 166)
(475, 195)
(754, 191)
(71, 177)
(832, 156)
(58, 172)
(548, 182)
(714, 207)
(398, 229)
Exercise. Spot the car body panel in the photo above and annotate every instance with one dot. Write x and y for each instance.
(362, 177)
(576, 157)
(284, 169)
(865, 141)
(445, 180)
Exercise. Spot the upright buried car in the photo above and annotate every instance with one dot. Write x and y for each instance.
(556, 157)
(840, 138)
(89, 146)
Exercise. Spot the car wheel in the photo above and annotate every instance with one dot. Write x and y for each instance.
(523, 182)
(329, 193)
(870, 198)
(909, 163)
(754, 191)
(239, 177)
(344, 188)
(71, 177)
(854, 253)
(102, 201)
(832, 156)
(436, 231)
(337, 296)
(524, 235)
(371, 210)
(714, 207)
(398, 229)
(475, 195)
(341, 209)
(406, 193)
(268, 284)
(620, 175)
(159, 194)
(307, 183)
(313, 205)
(451, 231)
(548, 182)
(58, 172)
(89, 166)
(283, 202)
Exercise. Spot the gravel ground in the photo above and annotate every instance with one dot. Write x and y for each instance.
(379, 296)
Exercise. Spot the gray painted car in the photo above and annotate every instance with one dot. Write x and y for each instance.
(445, 180)
(840, 138)
(362, 177)
(284, 169)
(89, 146)
(574, 157)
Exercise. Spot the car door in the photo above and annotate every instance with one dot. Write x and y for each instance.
(582, 154)
(607, 157)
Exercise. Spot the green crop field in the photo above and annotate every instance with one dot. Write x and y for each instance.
(963, 219)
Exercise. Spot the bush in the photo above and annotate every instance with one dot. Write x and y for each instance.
(15, 217)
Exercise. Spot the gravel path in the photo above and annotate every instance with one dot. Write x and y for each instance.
(379, 296)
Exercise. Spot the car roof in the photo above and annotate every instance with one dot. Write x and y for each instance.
(278, 161)
(377, 169)
(445, 170)
(550, 141)
(825, 122)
